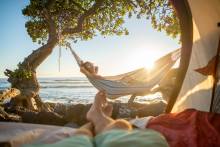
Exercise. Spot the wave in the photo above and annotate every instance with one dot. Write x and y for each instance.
(4, 82)
(63, 82)
(70, 86)
(4, 87)
(51, 86)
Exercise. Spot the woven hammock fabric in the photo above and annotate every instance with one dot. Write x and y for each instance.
(134, 82)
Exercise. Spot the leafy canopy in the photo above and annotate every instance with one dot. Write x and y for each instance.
(84, 19)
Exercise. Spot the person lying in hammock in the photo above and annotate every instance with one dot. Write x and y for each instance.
(103, 131)
(89, 69)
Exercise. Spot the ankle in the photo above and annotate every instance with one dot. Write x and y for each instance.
(102, 123)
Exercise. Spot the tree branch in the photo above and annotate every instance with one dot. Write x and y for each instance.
(81, 19)
(51, 24)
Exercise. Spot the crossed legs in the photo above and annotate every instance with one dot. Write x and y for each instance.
(99, 114)
(99, 117)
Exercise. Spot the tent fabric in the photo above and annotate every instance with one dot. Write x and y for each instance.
(196, 90)
(188, 128)
(134, 82)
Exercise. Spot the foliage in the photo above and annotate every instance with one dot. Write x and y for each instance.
(19, 73)
(95, 16)
(162, 16)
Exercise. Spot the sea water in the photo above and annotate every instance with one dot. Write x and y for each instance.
(71, 90)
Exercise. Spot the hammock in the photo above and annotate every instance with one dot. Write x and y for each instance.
(134, 82)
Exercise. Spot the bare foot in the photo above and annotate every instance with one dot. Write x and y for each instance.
(96, 109)
(100, 112)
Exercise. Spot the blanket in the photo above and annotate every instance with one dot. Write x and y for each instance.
(190, 128)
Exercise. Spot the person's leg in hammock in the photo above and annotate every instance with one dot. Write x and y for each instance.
(118, 133)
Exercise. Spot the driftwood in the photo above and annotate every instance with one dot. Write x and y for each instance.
(4, 116)
(9, 93)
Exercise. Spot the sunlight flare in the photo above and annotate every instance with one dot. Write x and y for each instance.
(149, 65)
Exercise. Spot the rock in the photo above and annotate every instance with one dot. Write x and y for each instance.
(124, 111)
(115, 113)
(60, 108)
(77, 113)
(74, 115)
(153, 109)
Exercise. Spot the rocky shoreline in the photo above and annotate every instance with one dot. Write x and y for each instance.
(74, 115)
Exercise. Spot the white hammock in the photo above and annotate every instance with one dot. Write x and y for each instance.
(134, 82)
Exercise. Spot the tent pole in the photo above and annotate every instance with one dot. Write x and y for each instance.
(185, 19)
(215, 76)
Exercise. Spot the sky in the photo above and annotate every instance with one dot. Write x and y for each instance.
(112, 54)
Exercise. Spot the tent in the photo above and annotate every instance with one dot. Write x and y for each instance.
(197, 81)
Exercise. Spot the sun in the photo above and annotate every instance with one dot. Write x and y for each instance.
(143, 58)
(149, 65)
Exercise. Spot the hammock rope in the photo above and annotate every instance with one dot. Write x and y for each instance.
(77, 58)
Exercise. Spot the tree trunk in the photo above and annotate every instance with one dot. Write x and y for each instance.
(29, 87)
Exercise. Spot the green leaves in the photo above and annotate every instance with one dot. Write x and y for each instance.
(21, 74)
(37, 30)
(162, 16)
(108, 19)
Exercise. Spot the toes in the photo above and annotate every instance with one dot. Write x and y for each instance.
(100, 98)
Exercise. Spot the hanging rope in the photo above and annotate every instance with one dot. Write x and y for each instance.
(59, 57)
(59, 37)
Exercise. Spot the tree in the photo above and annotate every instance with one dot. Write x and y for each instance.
(53, 22)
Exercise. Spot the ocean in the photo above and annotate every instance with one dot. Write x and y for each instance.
(71, 90)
